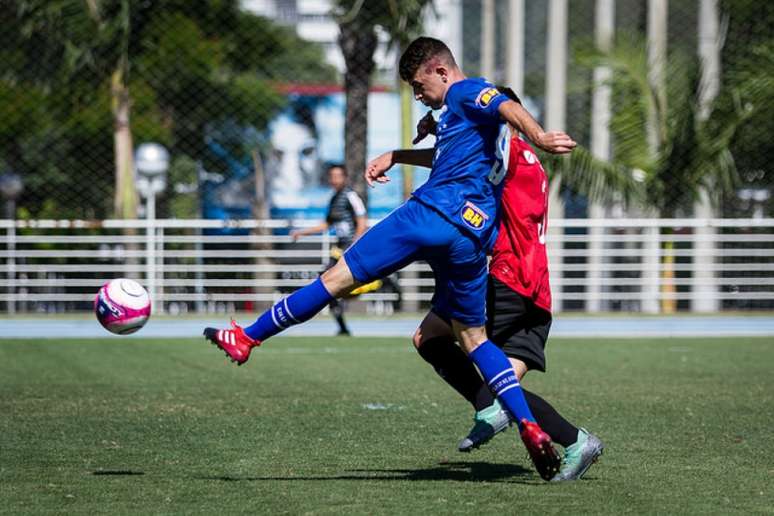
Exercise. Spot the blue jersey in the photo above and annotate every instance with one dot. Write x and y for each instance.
(465, 177)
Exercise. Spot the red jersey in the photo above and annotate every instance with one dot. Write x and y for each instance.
(519, 255)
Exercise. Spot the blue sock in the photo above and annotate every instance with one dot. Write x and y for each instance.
(298, 307)
(501, 379)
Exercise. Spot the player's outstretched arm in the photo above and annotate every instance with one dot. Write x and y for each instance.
(376, 170)
(298, 233)
(556, 142)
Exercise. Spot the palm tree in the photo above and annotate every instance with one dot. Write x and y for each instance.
(401, 20)
(691, 154)
(125, 200)
(89, 41)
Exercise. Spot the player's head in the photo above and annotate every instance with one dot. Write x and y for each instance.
(337, 176)
(429, 67)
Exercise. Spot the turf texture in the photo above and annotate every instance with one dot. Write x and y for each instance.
(364, 426)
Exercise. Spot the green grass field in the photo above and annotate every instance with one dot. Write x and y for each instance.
(363, 426)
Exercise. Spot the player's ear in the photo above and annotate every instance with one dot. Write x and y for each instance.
(442, 72)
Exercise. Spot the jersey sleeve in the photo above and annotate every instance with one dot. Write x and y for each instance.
(356, 203)
(476, 101)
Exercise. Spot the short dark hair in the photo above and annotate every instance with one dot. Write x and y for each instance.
(420, 51)
(331, 166)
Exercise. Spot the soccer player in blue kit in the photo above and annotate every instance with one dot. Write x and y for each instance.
(450, 222)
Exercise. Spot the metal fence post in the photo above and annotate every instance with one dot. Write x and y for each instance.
(150, 246)
(11, 267)
(160, 270)
(704, 292)
(651, 269)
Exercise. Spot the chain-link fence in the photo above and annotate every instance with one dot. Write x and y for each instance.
(232, 87)
(254, 99)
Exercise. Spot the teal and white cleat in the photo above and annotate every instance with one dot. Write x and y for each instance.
(487, 423)
(579, 457)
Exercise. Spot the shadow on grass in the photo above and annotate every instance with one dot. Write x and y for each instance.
(455, 471)
(117, 472)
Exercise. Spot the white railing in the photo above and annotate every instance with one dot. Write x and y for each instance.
(647, 265)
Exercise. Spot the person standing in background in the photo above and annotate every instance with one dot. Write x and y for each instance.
(347, 216)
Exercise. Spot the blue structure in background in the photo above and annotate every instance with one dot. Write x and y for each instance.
(226, 199)
(297, 147)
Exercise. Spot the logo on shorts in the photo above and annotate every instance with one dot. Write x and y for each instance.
(485, 96)
(473, 216)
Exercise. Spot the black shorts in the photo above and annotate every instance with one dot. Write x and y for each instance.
(516, 325)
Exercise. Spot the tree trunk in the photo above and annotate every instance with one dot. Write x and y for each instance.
(358, 44)
(125, 202)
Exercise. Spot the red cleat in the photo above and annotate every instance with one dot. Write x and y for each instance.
(541, 450)
(234, 342)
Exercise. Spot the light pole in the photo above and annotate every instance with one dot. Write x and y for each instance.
(152, 162)
(11, 186)
(755, 198)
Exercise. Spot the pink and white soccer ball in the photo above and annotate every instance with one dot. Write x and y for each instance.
(122, 306)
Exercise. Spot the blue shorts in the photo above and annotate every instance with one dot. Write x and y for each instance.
(415, 232)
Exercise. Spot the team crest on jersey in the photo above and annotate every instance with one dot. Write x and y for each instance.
(473, 216)
(485, 96)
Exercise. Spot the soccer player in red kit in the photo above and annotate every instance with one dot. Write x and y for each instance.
(518, 313)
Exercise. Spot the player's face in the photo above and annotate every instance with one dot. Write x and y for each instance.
(336, 178)
(429, 85)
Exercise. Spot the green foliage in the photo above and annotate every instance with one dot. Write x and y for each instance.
(275, 53)
(686, 153)
(748, 83)
(183, 175)
(401, 19)
(189, 65)
(598, 180)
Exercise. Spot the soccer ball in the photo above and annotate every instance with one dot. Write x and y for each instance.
(122, 306)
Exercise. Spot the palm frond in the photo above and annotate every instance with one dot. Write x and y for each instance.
(600, 181)
(633, 97)
(692, 153)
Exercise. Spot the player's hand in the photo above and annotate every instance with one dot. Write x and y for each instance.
(425, 126)
(555, 142)
(295, 234)
(377, 168)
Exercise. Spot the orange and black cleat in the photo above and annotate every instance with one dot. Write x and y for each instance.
(234, 342)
